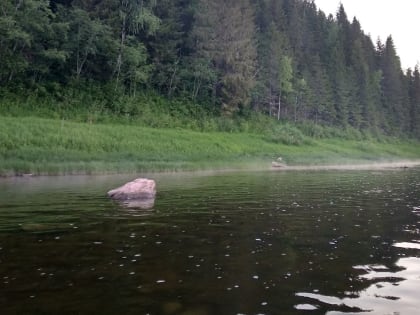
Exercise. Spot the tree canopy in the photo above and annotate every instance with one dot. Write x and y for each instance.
(283, 58)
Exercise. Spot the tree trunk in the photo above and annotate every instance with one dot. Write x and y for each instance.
(119, 58)
(279, 108)
(170, 89)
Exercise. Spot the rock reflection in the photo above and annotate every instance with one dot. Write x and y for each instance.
(389, 291)
(141, 204)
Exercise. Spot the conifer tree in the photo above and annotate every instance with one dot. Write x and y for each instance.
(413, 78)
(392, 86)
(224, 35)
(167, 46)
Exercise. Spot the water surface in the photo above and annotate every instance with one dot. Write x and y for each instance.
(295, 242)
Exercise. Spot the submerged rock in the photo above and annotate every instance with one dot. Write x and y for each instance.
(140, 189)
(44, 227)
(142, 204)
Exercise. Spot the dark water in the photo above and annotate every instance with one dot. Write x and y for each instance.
(330, 242)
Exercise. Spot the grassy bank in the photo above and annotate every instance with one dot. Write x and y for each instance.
(53, 146)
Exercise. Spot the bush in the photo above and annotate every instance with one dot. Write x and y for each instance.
(314, 130)
(286, 134)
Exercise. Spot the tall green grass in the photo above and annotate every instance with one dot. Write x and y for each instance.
(57, 146)
(49, 146)
(93, 104)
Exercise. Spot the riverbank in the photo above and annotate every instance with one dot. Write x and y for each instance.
(357, 166)
(39, 146)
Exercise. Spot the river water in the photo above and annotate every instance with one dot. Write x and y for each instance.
(256, 242)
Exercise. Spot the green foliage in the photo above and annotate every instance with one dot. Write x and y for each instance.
(29, 31)
(287, 134)
(286, 74)
(188, 63)
(88, 39)
(414, 99)
(392, 87)
(224, 33)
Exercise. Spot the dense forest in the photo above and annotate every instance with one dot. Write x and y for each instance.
(283, 58)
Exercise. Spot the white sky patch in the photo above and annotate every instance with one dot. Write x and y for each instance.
(381, 18)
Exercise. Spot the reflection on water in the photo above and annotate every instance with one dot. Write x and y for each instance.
(413, 245)
(389, 292)
(309, 242)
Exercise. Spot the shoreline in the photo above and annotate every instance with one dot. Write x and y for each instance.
(396, 165)
(403, 164)
(50, 147)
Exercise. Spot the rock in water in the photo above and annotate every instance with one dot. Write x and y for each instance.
(138, 189)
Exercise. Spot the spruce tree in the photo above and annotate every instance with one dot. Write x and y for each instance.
(392, 87)
(224, 36)
(413, 78)
(167, 46)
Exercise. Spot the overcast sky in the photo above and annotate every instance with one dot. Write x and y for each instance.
(401, 19)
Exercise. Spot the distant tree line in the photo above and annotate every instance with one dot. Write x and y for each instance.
(284, 58)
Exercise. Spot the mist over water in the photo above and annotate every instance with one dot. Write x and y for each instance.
(257, 242)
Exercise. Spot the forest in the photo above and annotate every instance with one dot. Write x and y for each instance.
(238, 58)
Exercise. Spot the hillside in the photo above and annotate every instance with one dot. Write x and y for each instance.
(280, 58)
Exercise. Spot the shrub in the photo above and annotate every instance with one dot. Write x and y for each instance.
(286, 134)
